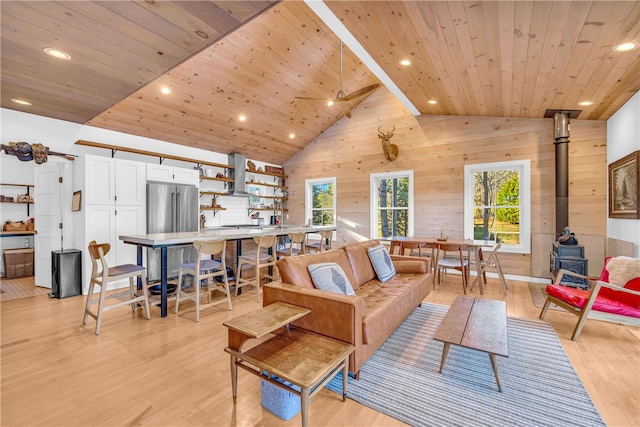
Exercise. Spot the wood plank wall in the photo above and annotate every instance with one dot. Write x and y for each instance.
(436, 148)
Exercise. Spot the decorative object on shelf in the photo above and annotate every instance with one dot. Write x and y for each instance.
(26, 152)
(25, 198)
(8, 199)
(624, 187)
(17, 225)
(260, 169)
(274, 169)
(255, 215)
(220, 175)
(251, 165)
(567, 238)
(390, 150)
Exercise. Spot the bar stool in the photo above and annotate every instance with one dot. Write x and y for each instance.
(265, 257)
(206, 269)
(102, 275)
(323, 245)
(296, 245)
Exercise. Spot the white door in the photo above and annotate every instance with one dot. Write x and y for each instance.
(48, 216)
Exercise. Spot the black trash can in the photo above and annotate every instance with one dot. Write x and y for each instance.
(66, 273)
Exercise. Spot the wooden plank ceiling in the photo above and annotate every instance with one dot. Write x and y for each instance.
(223, 59)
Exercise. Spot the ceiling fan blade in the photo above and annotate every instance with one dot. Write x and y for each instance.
(346, 110)
(315, 99)
(360, 92)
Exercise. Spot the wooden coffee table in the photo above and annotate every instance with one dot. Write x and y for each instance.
(302, 358)
(476, 323)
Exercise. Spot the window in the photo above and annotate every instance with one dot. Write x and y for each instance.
(391, 204)
(497, 205)
(320, 196)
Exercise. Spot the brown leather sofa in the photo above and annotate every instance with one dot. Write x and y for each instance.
(365, 320)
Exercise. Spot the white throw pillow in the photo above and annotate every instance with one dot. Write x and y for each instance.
(329, 276)
(382, 263)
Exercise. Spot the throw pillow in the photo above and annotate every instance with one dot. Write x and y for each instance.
(329, 276)
(382, 263)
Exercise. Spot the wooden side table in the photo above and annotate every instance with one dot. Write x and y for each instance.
(302, 358)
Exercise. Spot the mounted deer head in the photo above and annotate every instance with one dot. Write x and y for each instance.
(390, 150)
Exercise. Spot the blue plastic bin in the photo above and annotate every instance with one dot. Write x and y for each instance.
(278, 401)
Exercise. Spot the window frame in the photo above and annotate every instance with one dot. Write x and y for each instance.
(373, 197)
(524, 168)
(308, 198)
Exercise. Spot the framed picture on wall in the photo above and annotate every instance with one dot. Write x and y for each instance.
(624, 187)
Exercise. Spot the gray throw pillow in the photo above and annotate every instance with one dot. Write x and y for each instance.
(329, 276)
(382, 263)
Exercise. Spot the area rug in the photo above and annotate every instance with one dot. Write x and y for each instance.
(539, 297)
(540, 386)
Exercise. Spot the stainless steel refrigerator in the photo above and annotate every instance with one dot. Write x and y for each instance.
(171, 208)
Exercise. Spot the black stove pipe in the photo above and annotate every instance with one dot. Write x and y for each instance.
(561, 141)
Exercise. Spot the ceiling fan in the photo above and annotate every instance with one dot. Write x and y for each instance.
(340, 97)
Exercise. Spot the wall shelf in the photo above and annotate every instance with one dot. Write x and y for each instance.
(28, 187)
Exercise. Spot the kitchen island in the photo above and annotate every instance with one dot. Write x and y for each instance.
(163, 241)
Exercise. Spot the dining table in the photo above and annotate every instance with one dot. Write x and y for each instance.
(475, 246)
(163, 241)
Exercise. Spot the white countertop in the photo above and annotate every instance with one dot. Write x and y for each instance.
(176, 239)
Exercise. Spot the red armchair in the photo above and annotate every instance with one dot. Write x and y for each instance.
(615, 293)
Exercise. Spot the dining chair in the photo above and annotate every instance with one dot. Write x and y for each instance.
(494, 262)
(296, 245)
(323, 245)
(209, 265)
(102, 275)
(459, 263)
(265, 257)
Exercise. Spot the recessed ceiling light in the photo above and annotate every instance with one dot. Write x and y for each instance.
(625, 47)
(242, 118)
(585, 103)
(405, 62)
(432, 101)
(330, 103)
(20, 101)
(56, 53)
(165, 90)
(292, 135)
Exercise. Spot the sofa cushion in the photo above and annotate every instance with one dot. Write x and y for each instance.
(358, 256)
(293, 269)
(387, 302)
(329, 276)
(381, 262)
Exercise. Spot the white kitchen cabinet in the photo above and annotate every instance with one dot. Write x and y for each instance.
(162, 173)
(113, 204)
(108, 180)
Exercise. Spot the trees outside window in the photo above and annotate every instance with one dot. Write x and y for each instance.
(320, 206)
(392, 204)
(497, 204)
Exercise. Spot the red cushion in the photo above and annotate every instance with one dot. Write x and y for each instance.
(578, 298)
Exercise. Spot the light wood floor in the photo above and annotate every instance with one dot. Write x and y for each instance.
(174, 372)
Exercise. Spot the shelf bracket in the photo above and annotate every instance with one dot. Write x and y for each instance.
(161, 159)
(113, 153)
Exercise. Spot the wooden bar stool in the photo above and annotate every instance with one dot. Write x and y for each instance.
(296, 245)
(264, 258)
(323, 245)
(206, 269)
(102, 275)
